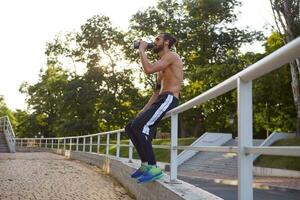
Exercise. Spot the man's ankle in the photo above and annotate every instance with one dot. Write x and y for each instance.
(153, 166)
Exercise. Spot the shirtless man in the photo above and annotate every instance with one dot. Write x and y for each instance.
(142, 128)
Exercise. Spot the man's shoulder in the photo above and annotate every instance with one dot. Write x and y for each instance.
(172, 55)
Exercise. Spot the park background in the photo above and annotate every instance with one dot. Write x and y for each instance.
(91, 80)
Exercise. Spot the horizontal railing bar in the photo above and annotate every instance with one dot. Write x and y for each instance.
(216, 91)
(269, 63)
(124, 145)
(279, 151)
(80, 144)
(73, 143)
(75, 137)
(162, 146)
(224, 149)
(105, 133)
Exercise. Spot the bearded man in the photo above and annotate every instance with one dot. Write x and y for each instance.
(141, 130)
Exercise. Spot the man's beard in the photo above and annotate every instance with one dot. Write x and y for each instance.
(157, 49)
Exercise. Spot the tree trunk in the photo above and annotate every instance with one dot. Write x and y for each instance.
(198, 130)
(296, 95)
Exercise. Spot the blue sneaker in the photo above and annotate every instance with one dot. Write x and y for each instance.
(139, 172)
(153, 173)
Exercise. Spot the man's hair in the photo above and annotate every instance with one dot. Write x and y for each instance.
(172, 40)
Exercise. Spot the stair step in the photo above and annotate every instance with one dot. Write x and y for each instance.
(3, 143)
(213, 162)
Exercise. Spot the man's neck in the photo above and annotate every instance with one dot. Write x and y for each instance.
(163, 52)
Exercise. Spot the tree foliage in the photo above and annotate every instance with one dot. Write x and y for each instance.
(101, 99)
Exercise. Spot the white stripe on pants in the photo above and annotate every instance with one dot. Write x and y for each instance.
(162, 108)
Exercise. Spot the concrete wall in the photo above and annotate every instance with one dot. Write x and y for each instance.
(262, 171)
(275, 136)
(207, 139)
(121, 170)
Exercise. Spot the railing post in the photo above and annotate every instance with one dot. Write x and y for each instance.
(58, 143)
(174, 143)
(52, 144)
(245, 135)
(46, 145)
(77, 142)
(91, 143)
(70, 144)
(83, 144)
(98, 144)
(40, 143)
(107, 144)
(21, 143)
(118, 145)
(130, 151)
(64, 143)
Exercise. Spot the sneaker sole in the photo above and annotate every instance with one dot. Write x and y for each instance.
(152, 179)
(135, 177)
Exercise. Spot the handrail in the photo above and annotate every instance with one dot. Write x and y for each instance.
(8, 133)
(10, 127)
(242, 81)
(81, 136)
(269, 63)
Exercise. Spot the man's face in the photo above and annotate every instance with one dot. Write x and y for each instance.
(158, 44)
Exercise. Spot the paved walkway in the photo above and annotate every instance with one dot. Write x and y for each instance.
(258, 182)
(50, 176)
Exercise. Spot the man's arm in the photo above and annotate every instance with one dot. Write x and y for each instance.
(150, 68)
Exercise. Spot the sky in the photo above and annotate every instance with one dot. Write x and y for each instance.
(26, 27)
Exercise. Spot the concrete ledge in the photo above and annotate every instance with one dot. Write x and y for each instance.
(274, 137)
(121, 169)
(31, 149)
(207, 139)
(271, 172)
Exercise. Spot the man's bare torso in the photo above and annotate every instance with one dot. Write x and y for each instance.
(171, 77)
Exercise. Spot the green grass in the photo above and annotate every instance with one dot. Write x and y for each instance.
(162, 155)
(281, 162)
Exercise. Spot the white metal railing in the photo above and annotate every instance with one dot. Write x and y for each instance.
(242, 81)
(8, 132)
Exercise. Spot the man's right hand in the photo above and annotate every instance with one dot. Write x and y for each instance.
(143, 45)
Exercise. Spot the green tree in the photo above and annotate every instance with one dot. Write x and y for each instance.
(45, 98)
(103, 98)
(26, 124)
(273, 98)
(287, 18)
(5, 111)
